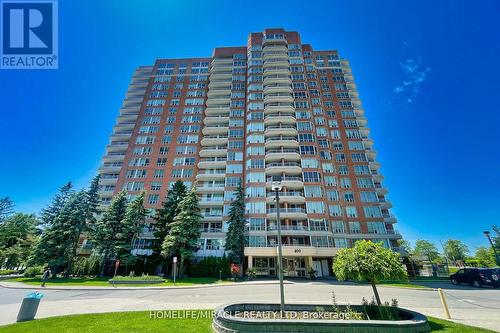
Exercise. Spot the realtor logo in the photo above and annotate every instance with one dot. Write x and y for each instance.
(29, 34)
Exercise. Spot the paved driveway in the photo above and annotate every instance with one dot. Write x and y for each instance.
(478, 307)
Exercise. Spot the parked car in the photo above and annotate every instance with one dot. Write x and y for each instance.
(477, 277)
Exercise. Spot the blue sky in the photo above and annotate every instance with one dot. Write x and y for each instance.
(427, 73)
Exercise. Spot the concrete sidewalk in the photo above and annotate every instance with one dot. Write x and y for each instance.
(21, 285)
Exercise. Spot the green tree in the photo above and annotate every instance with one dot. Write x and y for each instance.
(368, 261)
(18, 234)
(485, 256)
(184, 231)
(455, 250)
(426, 249)
(48, 214)
(6, 208)
(235, 236)
(165, 216)
(107, 232)
(59, 240)
(135, 216)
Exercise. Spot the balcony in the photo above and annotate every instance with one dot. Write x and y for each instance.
(220, 76)
(214, 140)
(290, 182)
(278, 97)
(278, 130)
(293, 197)
(210, 188)
(277, 88)
(217, 110)
(211, 202)
(217, 92)
(211, 217)
(209, 175)
(389, 218)
(283, 167)
(381, 191)
(276, 70)
(219, 102)
(277, 107)
(278, 78)
(268, 48)
(282, 154)
(287, 213)
(211, 152)
(215, 129)
(219, 83)
(282, 141)
(276, 62)
(277, 118)
(210, 230)
(217, 119)
(212, 162)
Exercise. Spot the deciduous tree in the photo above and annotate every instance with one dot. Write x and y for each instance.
(368, 261)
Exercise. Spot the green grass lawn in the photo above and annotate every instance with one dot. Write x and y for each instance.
(104, 282)
(403, 285)
(135, 322)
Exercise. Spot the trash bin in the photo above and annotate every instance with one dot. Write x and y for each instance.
(29, 307)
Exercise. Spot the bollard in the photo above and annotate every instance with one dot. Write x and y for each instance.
(443, 302)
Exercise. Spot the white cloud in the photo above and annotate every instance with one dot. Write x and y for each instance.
(414, 75)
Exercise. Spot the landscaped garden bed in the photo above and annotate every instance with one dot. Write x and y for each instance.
(144, 279)
(253, 317)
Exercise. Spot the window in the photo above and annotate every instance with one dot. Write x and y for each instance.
(155, 186)
(330, 181)
(345, 183)
(340, 242)
(309, 163)
(233, 181)
(255, 208)
(313, 191)
(234, 168)
(153, 199)
(255, 192)
(351, 211)
(365, 183)
(376, 228)
(311, 177)
(354, 227)
(369, 197)
(315, 207)
(335, 210)
(372, 211)
(255, 177)
(338, 227)
(332, 195)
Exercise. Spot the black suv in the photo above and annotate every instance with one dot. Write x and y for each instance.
(477, 277)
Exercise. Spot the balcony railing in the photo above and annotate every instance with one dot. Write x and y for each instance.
(286, 210)
(286, 194)
(276, 164)
(284, 178)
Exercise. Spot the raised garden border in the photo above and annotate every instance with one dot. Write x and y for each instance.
(111, 281)
(224, 323)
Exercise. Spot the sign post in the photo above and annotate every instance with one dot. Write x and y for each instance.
(117, 264)
(175, 268)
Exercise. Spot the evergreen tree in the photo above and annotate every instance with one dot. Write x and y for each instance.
(184, 231)
(93, 201)
(48, 214)
(235, 237)
(165, 216)
(106, 234)
(59, 240)
(6, 206)
(135, 216)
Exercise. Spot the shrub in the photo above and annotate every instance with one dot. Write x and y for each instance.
(210, 267)
(7, 271)
(138, 278)
(33, 271)
(251, 273)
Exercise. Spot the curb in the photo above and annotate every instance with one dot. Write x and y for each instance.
(28, 287)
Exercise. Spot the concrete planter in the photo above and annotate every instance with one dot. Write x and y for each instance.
(226, 320)
(111, 281)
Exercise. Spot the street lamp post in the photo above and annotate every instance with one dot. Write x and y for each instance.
(487, 234)
(276, 186)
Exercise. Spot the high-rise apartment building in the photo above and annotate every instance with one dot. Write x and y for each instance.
(275, 109)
